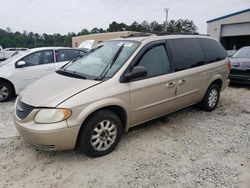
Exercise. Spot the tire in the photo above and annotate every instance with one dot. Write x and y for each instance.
(6, 92)
(211, 98)
(102, 127)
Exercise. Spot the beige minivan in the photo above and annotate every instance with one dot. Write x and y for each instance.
(90, 102)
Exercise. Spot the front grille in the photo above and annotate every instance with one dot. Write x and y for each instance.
(22, 109)
(240, 72)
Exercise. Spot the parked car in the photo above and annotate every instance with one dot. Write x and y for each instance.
(230, 52)
(24, 68)
(240, 62)
(9, 52)
(91, 102)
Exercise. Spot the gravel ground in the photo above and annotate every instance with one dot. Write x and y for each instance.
(189, 148)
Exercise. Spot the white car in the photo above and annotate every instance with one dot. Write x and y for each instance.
(24, 68)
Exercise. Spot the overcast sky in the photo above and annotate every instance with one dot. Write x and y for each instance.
(63, 16)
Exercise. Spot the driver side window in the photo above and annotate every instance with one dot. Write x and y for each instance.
(155, 60)
(39, 58)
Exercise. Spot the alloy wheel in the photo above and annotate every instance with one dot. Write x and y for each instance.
(212, 98)
(103, 135)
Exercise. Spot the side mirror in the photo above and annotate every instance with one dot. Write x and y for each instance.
(137, 72)
(20, 64)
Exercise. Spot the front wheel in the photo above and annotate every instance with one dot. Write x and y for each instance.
(100, 134)
(211, 98)
(6, 92)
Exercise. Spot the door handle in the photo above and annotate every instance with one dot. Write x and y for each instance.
(181, 82)
(170, 84)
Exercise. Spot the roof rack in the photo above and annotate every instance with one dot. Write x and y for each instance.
(139, 35)
(161, 34)
(178, 33)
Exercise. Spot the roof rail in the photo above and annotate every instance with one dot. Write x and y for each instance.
(139, 35)
(178, 33)
(161, 34)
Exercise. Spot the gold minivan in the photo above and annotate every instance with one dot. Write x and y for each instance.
(90, 102)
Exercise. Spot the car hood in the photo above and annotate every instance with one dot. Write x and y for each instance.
(53, 89)
(240, 63)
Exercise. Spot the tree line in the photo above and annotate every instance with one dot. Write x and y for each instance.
(8, 38)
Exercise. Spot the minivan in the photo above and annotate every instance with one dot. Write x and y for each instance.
(90, 102)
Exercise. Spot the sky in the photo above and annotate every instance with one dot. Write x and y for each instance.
(63, 16)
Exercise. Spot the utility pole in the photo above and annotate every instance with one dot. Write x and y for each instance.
(166, 22)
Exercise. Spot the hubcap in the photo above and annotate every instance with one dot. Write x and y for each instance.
(213, 97)
(4, 92)
(103, 135)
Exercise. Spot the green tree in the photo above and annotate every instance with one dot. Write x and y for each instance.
(95, 30)
(114, 27)
(30, 39)
(181, 26)
(84, 32)
(156, 27)
(135, 26)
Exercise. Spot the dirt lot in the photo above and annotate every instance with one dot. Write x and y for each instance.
(189, 148)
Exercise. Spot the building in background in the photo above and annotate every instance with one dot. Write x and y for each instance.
(233, 30)
(99, 37)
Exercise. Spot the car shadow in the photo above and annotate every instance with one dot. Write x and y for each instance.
(239, 86)
(163, 119)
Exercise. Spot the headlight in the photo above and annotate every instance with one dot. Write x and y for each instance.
(53, 115)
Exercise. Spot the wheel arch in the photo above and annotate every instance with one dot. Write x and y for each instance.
(218, 81)
(10, 83)
(117, 109)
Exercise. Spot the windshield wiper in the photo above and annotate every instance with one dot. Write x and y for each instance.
(94, 49)
(111, 63)
(74, 74)
(70, 62)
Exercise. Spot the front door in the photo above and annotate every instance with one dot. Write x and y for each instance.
(37, 65)
(152, 96)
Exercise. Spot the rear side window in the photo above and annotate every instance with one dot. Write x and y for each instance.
(213, 50)
(66, 55)
(156, 61)
(186, 53)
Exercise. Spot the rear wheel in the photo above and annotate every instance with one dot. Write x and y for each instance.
(100, 134)
(211, 99)
(6, 92)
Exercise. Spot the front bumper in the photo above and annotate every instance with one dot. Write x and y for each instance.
(59, 139)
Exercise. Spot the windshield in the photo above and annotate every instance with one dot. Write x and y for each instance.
(102, 61)
(242, 53)
(12, 58)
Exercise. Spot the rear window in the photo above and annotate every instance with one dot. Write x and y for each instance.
(213, 50)
(186, 53)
